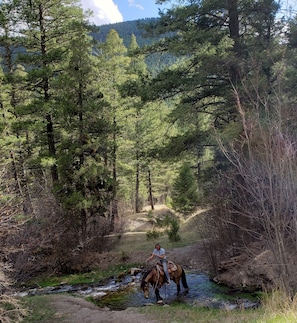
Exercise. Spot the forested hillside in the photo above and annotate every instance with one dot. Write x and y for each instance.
(155, 61)
(125, 30)
(92, 130)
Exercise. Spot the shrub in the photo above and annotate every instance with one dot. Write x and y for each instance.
(152, 234)
(172, 232)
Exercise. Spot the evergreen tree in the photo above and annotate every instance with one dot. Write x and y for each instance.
(217, 49)
(48, 29)
(84, 179)
(185, 191)
(12, 98)
(113, 64)
(137, 70)
(145, 131)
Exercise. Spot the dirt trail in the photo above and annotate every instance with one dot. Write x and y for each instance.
(71, 309)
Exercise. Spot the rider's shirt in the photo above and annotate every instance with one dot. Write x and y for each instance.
(160, 252)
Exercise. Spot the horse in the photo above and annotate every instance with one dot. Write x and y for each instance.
(156, 277)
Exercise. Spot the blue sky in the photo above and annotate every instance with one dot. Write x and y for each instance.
(110, 11)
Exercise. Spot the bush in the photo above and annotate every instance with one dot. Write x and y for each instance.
(152, 234)
(172, 232)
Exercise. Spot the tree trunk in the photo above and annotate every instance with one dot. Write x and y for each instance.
(151, 199)
(45, 87)
(114, 209)
(234, 34)
(51, 146)
(137, 200)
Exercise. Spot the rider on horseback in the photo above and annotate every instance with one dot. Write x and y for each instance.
(159, 253)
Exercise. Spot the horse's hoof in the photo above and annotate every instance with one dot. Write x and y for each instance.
(160, 301)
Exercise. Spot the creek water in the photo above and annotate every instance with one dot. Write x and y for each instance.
(121, 294)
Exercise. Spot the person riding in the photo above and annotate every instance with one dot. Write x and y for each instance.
(160, 253)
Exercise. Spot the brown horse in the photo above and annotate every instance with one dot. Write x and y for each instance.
(156, 277)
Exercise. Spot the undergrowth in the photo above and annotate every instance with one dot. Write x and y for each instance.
(82, 278)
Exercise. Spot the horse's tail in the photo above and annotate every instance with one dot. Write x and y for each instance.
(184, 280)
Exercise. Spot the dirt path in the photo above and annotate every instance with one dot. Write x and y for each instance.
(71, 309)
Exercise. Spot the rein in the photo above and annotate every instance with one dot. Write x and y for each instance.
(155, 285)
(157, 281)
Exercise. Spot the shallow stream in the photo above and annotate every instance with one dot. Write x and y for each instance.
(118, 295)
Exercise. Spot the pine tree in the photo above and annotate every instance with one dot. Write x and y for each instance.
(12, 98)
(185, 191)
(84, 179)
(113, 64)
(217, 50)
(137, 70)
(48, 29)
(144, 132)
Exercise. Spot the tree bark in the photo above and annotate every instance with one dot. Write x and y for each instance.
(151, 199)
(234, 34)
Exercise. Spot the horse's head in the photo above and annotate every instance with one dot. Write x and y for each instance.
(145, 288)
(145, 283)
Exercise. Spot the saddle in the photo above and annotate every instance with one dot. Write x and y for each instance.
(172, 267)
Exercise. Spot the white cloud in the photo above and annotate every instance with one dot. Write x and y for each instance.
(104, 11)
(133, 4)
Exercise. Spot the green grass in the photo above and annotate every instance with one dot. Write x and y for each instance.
(140, 242)
(181, 313)
(81, 278)
(39, 310)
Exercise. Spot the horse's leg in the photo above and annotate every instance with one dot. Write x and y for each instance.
(158, 296)
(176, 280)
(184, 280)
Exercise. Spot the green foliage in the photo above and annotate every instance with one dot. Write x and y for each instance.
(93, 117)
(185, 191)
(164, 222)
(155, 61)
(153, 234)
(201, 81)
(173, 231)
(167, 224)
(115, 301)
(169, 202)
(83, 278)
